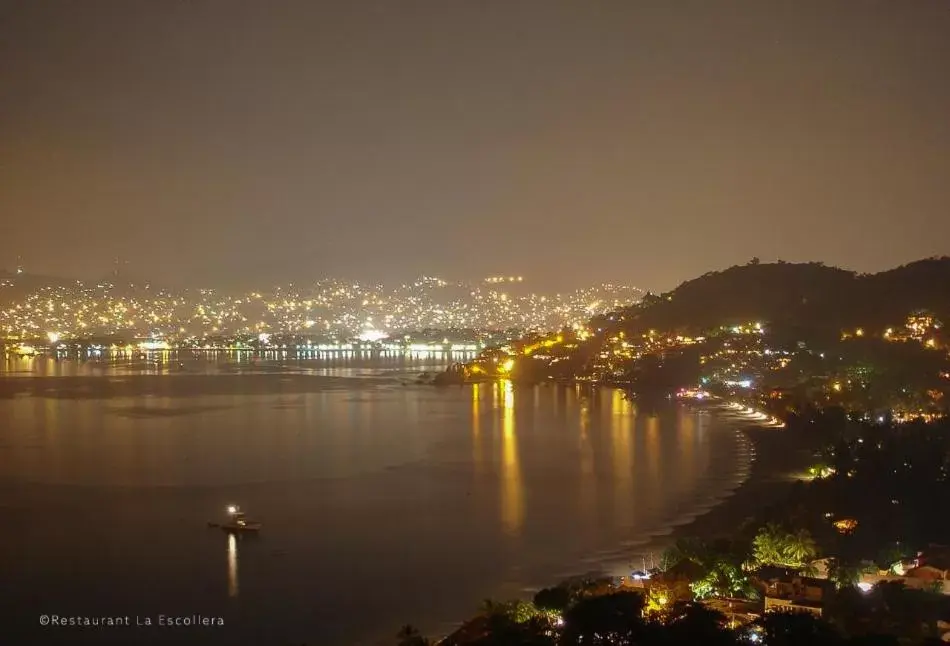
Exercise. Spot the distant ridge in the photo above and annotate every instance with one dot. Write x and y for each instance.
(810, 295)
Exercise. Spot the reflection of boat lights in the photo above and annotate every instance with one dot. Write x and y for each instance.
(232, 566)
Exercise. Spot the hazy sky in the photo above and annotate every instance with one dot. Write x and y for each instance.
(639, 142)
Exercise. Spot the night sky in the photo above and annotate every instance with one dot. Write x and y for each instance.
(247, 142)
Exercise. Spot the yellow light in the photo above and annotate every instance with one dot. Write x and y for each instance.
(846, 525)
(837, 387)
(859, 332)
(506, 366)
(52, 336)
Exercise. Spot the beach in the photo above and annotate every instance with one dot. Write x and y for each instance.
(779, 457)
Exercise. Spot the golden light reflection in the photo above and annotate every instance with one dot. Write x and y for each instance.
(478, 456)
(587, 489)
(621, 425)
(653, 451)
(584, 414)
(687, 432)
(512, 488)
(232, 566)
(476, 401)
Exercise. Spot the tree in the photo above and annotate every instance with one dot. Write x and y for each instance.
(797, 629)
(503, 630)
(659, 601)
(693, 623)
(488, 606)
(910, 613)
(724, 579)
(768, 546)
(608, 619)
(555, 599)
(775, 546)
(518, 611)
(843, 573)
(800, 547)
(409, 635)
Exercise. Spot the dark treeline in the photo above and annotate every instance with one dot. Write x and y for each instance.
(808, 296)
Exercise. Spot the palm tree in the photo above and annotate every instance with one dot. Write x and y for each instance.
(774, 546)
(800, 547)
(768, 546)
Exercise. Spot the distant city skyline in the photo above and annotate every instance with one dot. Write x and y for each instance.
(329, 307)
(645, 142)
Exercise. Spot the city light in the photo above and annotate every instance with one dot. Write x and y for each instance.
(328, 307)
(372, 335)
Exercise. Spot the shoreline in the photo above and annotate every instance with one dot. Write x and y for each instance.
(779, 456)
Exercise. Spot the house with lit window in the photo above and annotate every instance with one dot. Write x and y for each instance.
(796, 594)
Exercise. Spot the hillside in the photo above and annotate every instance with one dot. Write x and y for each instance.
(801, 295)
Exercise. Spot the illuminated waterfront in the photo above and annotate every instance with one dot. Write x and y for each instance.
(34, 308)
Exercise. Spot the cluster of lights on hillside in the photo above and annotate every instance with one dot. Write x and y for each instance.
(740, 359)
(329, 308)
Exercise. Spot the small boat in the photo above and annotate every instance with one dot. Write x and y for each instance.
(237, 522)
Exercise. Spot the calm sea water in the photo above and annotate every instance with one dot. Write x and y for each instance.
(384, 502)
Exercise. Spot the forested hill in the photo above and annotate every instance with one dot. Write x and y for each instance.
(806, 295)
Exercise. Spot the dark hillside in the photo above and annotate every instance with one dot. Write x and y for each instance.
(920, 285)
(754, 292)
(806, 296)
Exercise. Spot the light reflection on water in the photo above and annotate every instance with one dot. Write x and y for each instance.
(232, 565)
(623, 418)
(187, 362)
(368, 491)
(478, 452)
(512, 489)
